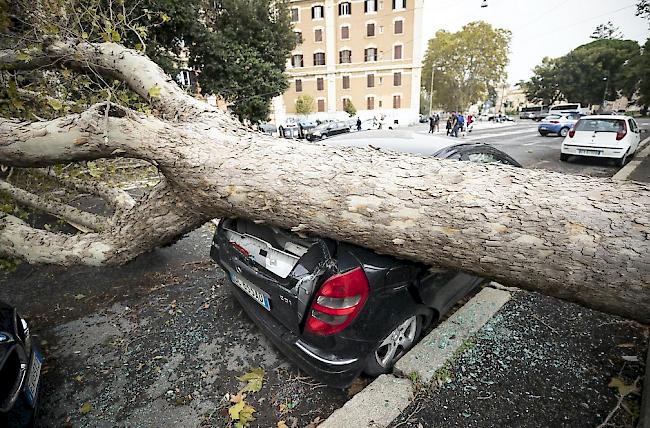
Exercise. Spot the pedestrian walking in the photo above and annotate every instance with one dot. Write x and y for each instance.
(461, 124)
(432, 123)
(449, 125)
(455, 125)
(358, 124)
(436, 123)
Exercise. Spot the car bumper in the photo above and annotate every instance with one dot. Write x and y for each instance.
(331, 370)
(551, 129)
(601, 152)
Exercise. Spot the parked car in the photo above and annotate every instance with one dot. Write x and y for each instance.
(558, 124)
(267, 128)
(296, 128)
(334, 308)
(20, 370)
(605, 136)
(326, 130)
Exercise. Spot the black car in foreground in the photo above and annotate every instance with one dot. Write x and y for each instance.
(334, 308)
(20, 370)
(327, 129)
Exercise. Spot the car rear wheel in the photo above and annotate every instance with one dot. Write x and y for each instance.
(543, 134)
(394, 346)
(564, 132)
(564, 157)
(622, 161)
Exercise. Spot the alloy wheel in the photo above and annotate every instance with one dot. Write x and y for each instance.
(398, 341)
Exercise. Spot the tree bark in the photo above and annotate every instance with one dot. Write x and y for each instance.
(577, 238)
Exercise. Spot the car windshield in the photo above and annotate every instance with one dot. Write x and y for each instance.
(600, 125)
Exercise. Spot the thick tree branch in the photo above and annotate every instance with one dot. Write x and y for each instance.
(68, 213)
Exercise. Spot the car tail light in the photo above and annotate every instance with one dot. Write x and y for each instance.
(239, 248)
(622, 131)
(555, 121)
(337, 302)
(572, 132)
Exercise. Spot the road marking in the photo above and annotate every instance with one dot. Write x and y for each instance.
(503, 134)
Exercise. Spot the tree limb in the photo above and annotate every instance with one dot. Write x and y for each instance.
(67, 212)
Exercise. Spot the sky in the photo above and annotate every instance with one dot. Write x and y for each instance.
(539, 28)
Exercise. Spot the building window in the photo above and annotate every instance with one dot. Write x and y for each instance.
(397, 101)
(317, 12)
(397, 52)
(296, 61)
(345, 57)
(345, 8)
(298, 85)
(399, 4)
(319, 58)
(346, 82)
(298, 35)
(295, 14)
(318, 35)
(370, 103)
(345, 32)
(321, 105)
(370, 54)
(370, 29)
(370, 6)
(370, 80)
(399, 26)
(320, 84)
(397, 79)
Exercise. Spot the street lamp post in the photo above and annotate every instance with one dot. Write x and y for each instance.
(602, 107)
(433, 71)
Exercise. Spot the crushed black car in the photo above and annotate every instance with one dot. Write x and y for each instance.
(337, 309)
(20, 370)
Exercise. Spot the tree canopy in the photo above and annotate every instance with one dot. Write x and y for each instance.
(467, 64)
(585, 73)
(238, 47)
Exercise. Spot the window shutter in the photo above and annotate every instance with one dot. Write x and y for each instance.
(371, 80)
(397, 79)
(346, 82)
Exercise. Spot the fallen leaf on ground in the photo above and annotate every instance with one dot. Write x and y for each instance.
(282, 424)
(85, 408)
(79, 296)
(356, 387)
(242, 414)
(254, 379)
(79, 378)
(237, 398)
(314, 423)
(623, 388)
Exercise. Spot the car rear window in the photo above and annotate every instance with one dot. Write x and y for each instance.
(600, 125)
(553, 116)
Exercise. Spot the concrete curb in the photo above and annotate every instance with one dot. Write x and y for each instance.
(435, 350)
(388, 395)
(628, 169)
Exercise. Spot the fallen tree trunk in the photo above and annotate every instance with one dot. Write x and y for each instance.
(577, 238)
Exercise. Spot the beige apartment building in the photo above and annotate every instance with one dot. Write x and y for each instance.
(367, 52)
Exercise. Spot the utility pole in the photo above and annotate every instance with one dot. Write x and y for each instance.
(606, 79)
(433, 71)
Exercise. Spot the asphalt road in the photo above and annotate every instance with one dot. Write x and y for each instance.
(520, 140)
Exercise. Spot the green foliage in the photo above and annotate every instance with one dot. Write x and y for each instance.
(468, 64)
(349, 108)
(584, 73)
(304, 104)
(607, 31)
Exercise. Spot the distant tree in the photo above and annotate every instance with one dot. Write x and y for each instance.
(349, 108)
(607, 31)
(467, 64)
(643, 8)
(304, 104)
(584, 73)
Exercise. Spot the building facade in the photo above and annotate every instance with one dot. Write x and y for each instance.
(367, 52)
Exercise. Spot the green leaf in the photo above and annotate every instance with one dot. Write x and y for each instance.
(55, 104)
(23, 57)
(623, 388)
(84, 35)
(154, 91)
(165, 17)
(116, 36)
(85, 408)
(236, 409)
(254, 380)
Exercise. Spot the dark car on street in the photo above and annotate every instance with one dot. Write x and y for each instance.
(334, 308)
(328, 129)
(20, 370)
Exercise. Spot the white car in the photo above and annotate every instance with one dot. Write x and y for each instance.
(605, 136)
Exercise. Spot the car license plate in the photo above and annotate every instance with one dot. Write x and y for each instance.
(252, 290)
(543, 128)
(34, 376)
(589, 152)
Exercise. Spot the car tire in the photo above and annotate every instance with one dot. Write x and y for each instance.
(543, 134)
(563, 132)
(564, 157)
(622, 161)
(398, 342)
